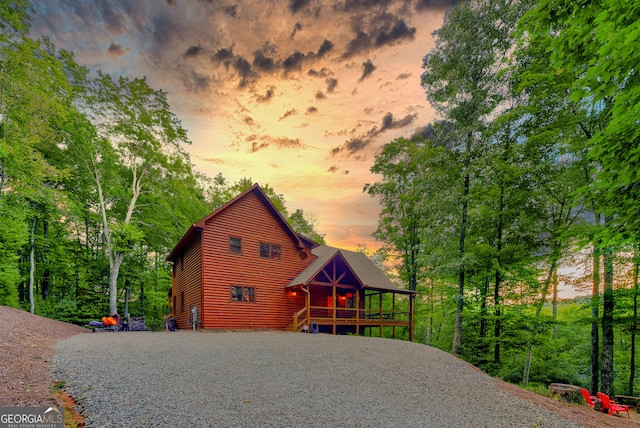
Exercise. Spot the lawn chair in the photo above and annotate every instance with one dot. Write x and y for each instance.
(590, 399)
(97, 326)
(611, 406)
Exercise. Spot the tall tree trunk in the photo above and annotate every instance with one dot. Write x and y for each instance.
(554, 304)
(142, 299)
(115, 260)
(457, 334)
(498, 314)
(634, 324)
(543, 299)
(606, 373)
(595, 307)
(46, 271)
(429, 327)
(498, 284)
(484, 291)
(32, 265)
(127, 297)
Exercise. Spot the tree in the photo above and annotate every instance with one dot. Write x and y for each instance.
(598, 42)
(460, 79)
(35, 91)
(127, 155)
(306, 226)
(415, 199)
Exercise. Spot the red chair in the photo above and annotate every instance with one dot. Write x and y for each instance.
(588, 397)
(611, 406)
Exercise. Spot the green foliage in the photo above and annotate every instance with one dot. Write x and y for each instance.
(67, 311)
(306, 226)
(540, 130)
(99, 165)
(14, 19)
(13, 235)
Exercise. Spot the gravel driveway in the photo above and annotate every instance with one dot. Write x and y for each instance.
(279, 379)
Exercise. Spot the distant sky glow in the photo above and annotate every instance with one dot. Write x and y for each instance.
(298, 94)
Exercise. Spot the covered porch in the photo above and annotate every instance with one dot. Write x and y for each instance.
(345, 293)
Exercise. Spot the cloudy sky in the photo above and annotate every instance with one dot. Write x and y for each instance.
(296, 94)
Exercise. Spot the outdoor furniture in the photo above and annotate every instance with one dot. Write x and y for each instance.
(611, 406)
(97, 326)
(590, 399)
(137, 324)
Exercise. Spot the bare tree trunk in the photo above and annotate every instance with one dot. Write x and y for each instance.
(32, 265)
(483, 348)
(46, 271)
(127, 297)
(114, 269)
(554, 304)
(634, 325)
(595, 305)
(606, 373)
(496, 291)
(543, 299)
(457, 334)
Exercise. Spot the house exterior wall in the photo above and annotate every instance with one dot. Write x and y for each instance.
(187, 283)
(273, 307)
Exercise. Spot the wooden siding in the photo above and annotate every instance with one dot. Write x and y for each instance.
(187, 280)
(249, 219)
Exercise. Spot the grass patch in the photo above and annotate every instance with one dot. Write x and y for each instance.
(72, 419)
(540, 389)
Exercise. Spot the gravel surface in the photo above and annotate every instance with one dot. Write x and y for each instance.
(279, 379)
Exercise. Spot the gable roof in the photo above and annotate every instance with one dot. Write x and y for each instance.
(196, 228)
(363, 268)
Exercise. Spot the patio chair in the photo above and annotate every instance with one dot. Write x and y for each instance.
(611, 406)
(590, 399)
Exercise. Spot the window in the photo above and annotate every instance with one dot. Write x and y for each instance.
(235, 245)
(270, 251)
(243, 294)
(182, 301)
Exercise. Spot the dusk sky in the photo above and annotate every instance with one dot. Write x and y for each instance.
(298, 94)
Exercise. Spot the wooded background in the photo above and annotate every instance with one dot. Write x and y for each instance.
(531, 167)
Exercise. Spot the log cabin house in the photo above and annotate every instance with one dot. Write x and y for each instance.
(243, 267)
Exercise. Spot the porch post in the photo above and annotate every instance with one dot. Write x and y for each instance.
(380, 313)
(393, 314)
(358, 311)
(334, 309)
(411, 297)
(370, 328)
(308, 303)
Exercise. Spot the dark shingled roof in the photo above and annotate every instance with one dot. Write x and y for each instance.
(365, 270)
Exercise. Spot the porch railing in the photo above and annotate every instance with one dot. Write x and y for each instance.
(363, 315)
(299, 319)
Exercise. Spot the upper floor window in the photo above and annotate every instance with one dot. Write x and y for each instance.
(235, 245)
(270, 251)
